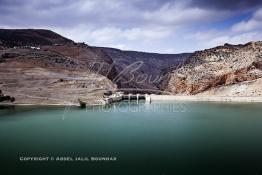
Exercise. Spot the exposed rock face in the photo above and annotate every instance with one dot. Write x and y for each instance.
(220, 66)
(246, 88)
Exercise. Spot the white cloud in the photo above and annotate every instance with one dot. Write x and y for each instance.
(236, 39)
(109, 34)
(255, 23)
(146, 25)
(258, 14)
(245, 26)
(170, 14)
(239, 33)
(209, 39)
(147, 34)
(128, 39)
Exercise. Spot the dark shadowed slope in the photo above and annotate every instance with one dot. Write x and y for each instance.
(146, 67)
(31, 37)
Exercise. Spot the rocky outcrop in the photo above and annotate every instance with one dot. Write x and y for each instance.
(220, 66)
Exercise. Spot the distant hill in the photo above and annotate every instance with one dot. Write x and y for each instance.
(153, 65)
(31, 37)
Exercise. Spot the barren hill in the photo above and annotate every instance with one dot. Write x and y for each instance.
(31, 37)
(42, 67)
(224, 67)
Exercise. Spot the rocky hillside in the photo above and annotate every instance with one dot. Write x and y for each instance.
(128, 69)
(89, 57)
(42, 67)
(215, 70)
(43, 77)
(140, 69)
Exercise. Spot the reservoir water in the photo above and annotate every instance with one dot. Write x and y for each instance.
(137, 139)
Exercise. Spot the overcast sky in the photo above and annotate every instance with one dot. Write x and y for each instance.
(164, 26)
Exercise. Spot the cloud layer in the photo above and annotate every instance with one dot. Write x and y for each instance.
(148, 25)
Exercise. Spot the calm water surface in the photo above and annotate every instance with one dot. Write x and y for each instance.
(158, 138)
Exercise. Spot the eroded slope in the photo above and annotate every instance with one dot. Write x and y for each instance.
(212, 68)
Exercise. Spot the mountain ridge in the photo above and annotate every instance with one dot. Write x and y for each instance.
(44, 67)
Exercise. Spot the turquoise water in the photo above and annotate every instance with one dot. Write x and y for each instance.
(159, 138)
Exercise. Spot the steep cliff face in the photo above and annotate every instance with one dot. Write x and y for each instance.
(212, 68)
(142, 70)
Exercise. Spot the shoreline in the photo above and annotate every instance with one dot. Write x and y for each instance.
(60, 105)
(228, 99)
(156, 98)
(23, 104)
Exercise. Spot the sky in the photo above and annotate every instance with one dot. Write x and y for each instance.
(161, 26)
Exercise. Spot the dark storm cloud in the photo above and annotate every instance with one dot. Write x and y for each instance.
(75, 12)
(142, 4)
(119, 13)
(227, 4)
(214, 4)
(150, 4)
(37, 13)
